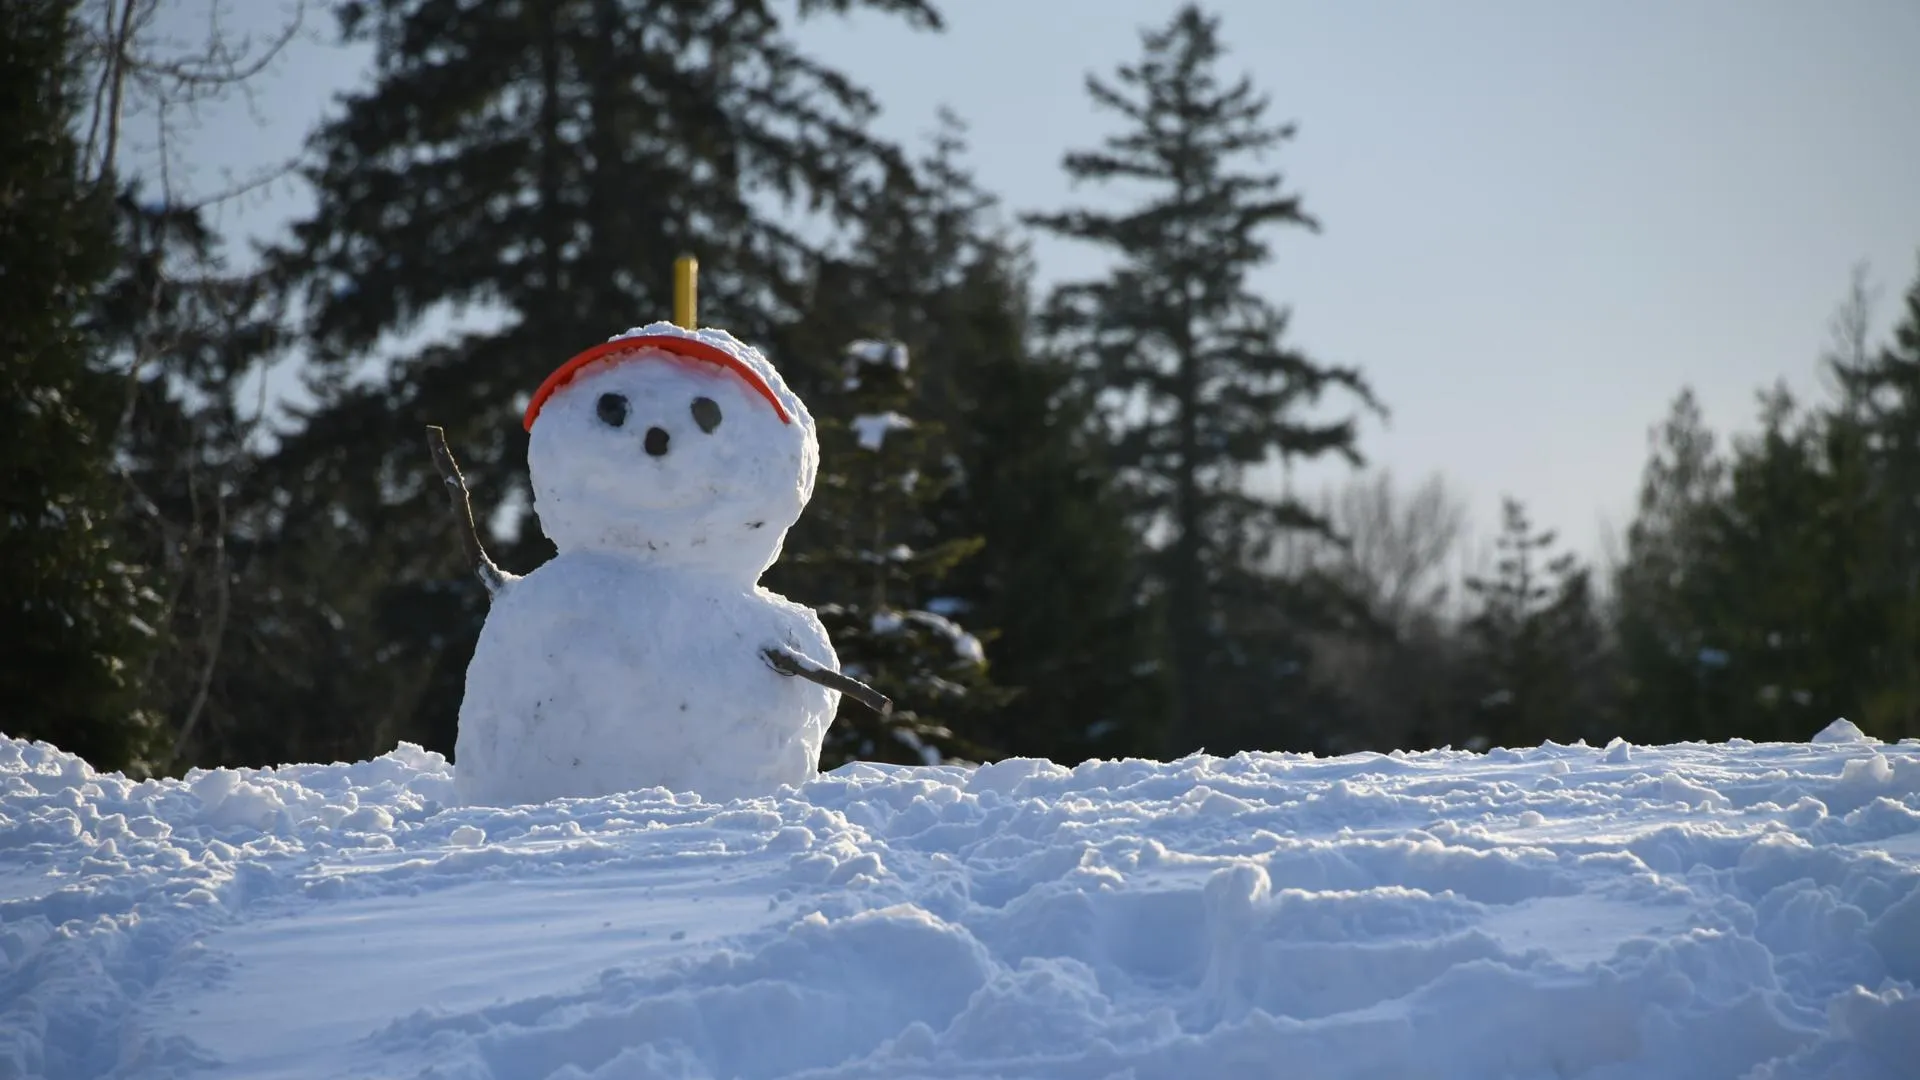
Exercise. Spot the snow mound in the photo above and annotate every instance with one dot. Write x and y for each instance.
(1664, 912)
(870, 429)
(1842, 731)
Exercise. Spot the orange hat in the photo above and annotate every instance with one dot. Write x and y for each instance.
(691, 348)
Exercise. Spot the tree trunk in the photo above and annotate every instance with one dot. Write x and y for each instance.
(553, 228)
(1188, 578)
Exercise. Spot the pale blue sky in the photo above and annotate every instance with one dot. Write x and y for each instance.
(1541, 219)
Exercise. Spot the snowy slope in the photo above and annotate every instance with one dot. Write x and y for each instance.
(1689, 911)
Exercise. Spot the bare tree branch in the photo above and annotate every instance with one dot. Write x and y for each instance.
(787, 662)
(140, 77)
(113, 83)
(137, 69)
(490, 574)
(215, 634)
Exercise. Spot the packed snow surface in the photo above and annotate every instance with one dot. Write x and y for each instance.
(1563, 911)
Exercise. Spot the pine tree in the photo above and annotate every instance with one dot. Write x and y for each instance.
(1056, 586)
(538, 165)
(1883, 398)
(1672, 663)
(868, 542)
(1539, 640)
(1785, 595)
(77, 613)
(1768, 590)
(1199, 382)
(1077, 637)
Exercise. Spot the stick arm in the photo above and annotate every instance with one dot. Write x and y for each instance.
(787, 662)
(490, 574)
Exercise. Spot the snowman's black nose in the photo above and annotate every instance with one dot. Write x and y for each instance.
(656, 441)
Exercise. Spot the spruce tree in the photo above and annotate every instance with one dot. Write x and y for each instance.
(1077, 634)
(869, 548)
(1055, 589)
(539, 165)
(1785, 594)
(77, 614)
(1539, 641)
(1198, 380)
(1672, 663)
(1883, 398)
(1769, 590)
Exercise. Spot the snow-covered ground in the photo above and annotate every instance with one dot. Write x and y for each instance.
(1689, 911)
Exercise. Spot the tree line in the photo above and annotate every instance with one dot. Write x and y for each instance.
(1036, 525)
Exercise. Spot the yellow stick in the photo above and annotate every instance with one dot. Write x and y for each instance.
(686, 291)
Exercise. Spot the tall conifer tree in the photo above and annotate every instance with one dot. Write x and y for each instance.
(1673, 664)
(1883, 398)
(879, 563)
(1076, 634)
(77, 614)
(1539, 641)
(1200, 382)
(1770, 589)
(1055, 587)
(1786, 592)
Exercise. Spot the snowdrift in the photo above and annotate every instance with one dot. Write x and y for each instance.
(1565, 911)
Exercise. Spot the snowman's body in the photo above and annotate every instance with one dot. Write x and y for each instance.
(635, 658)
(597, 674)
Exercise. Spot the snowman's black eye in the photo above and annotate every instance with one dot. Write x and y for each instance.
(612, 409)
(706, 413)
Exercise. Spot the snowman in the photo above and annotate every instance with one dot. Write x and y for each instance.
(667, 466)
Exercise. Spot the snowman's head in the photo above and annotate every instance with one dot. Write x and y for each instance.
(678, 446)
